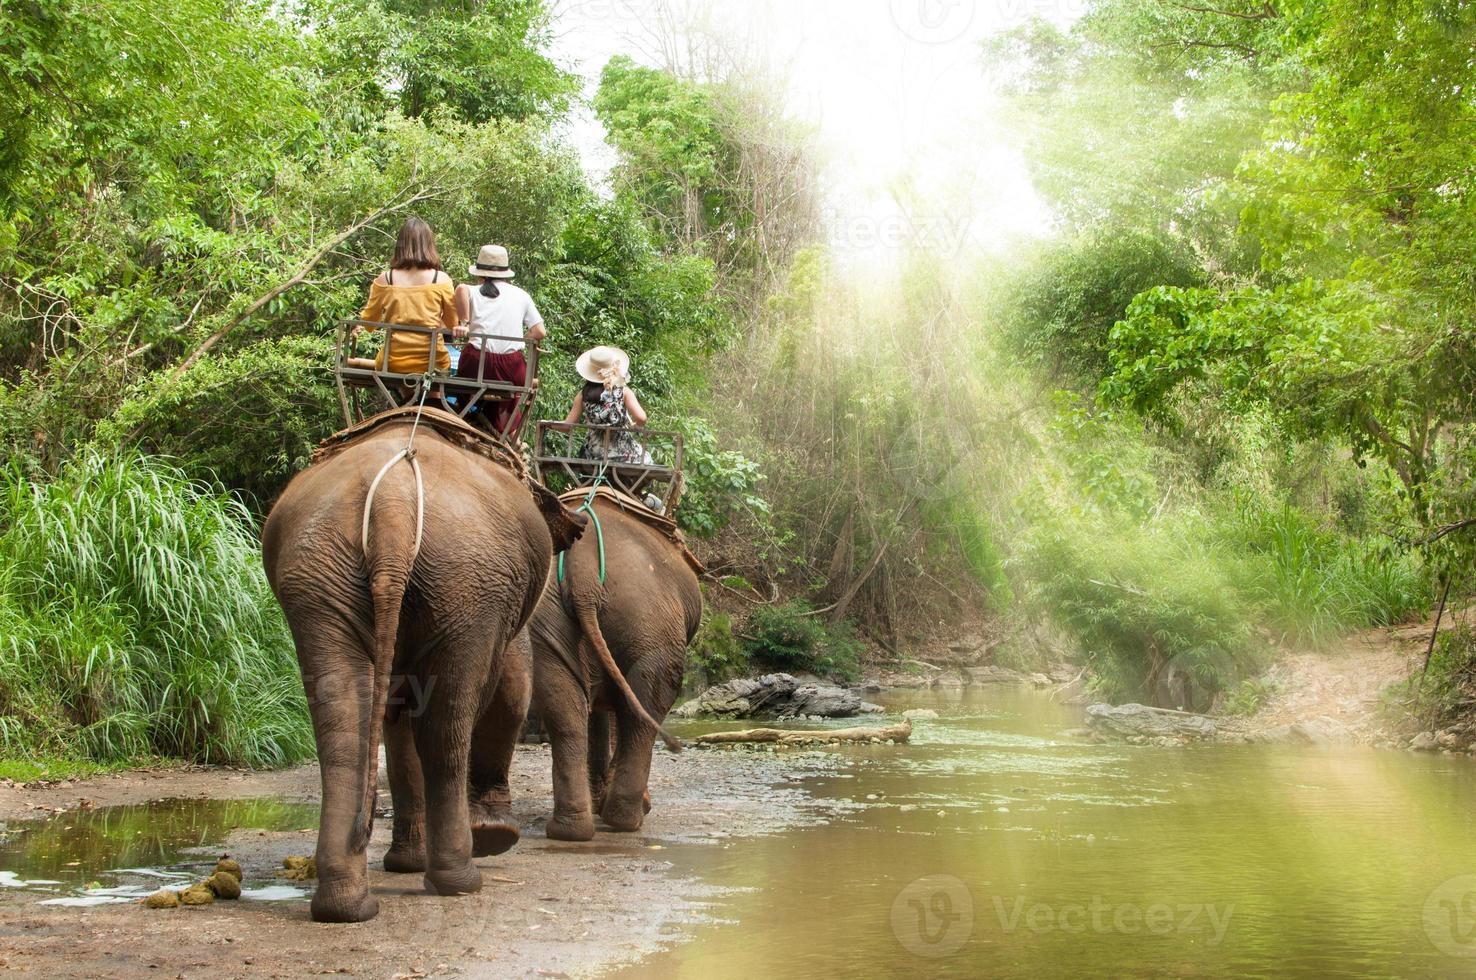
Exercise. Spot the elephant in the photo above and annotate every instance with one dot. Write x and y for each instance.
(425, 595)
(613, 648)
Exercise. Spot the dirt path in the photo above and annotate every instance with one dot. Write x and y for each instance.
(1339, 694)
(547, 909)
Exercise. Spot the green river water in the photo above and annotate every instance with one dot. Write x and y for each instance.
(993, 846)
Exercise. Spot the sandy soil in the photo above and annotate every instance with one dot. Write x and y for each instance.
(1339, 694)
(547, 909)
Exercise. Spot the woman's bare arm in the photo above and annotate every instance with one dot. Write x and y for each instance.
(575, 411)
(634, 409)
(463, 308)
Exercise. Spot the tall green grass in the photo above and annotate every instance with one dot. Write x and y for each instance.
(1315, 584)
(1191, 595)
(136, 620)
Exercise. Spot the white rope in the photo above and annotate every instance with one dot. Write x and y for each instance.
(419, 498)
(407, 453)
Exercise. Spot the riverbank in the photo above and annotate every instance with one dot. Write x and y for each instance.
(547, 909)
(1358, 691)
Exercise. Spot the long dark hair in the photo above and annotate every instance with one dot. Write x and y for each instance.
(592, 392)
(415, 248)
(489, 288)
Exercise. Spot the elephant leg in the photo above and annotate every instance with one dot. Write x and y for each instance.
(407, 786)
(564, 707)
(494, 741)
(341, 693)
(624, 808)
(626, 800)
(442, 735)
(599, 755)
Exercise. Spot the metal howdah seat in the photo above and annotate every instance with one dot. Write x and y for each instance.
(362, 379)
(558, 464)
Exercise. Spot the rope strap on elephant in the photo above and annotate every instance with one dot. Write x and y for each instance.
(408, 453)
(587, 508)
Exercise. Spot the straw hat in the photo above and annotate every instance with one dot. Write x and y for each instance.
(608, 366)
(492, 263)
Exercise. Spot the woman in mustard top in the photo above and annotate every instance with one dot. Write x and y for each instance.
(414, 292)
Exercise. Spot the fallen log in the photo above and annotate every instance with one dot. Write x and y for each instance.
(820, 736)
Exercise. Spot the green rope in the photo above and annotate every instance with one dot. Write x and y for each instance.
(599, 538)
(588, 508)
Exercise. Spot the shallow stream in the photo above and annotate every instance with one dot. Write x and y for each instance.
(994, 846)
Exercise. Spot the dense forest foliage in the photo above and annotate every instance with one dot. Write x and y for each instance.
(1225, 406)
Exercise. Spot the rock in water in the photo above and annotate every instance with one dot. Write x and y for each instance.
(164, 898)
(1139, 722)
(774, 696)
(915, 714)
(224, 885)
(1310, 732)
(1424, 742)
(197, 894)
(741, 698)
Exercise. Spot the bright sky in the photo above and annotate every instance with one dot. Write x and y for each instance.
(897, 88)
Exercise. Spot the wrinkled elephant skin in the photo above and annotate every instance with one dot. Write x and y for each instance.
(428, 648)
(643, 615)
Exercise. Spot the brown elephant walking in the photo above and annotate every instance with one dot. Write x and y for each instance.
(613, 648)
(412, 617)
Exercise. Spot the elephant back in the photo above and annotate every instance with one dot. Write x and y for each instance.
(628, 505)
(564, 527)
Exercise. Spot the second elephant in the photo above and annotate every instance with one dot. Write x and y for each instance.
(611, 650)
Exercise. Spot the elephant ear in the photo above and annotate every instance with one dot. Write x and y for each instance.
(564, 526)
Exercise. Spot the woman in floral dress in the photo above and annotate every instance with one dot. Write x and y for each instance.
(607, 400)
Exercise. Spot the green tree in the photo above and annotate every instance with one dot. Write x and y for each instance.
(479, 59)
(1359, 202)
(715, 166)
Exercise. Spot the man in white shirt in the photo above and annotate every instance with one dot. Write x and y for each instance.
(506, 312)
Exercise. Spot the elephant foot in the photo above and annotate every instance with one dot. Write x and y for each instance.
(403, 859)
(329, 905)
(572, 828)
(646, 800)
(494, 831)
(495, 836)
(624, 816)
(459, 881)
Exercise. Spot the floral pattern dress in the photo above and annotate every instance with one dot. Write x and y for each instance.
(609, 410)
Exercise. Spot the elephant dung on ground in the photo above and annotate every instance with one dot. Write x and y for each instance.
(410, 617)
(612, 650)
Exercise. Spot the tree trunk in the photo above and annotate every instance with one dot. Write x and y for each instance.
(781, 736)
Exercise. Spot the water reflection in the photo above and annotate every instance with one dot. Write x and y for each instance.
(994, 846)
(134, 844)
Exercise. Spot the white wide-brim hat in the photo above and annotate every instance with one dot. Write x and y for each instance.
(604, 365)
(491, 263)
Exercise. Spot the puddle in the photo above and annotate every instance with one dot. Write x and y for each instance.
(120, 854)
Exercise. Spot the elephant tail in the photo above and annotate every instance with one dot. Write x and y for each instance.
(390, 563)
(589, 622)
